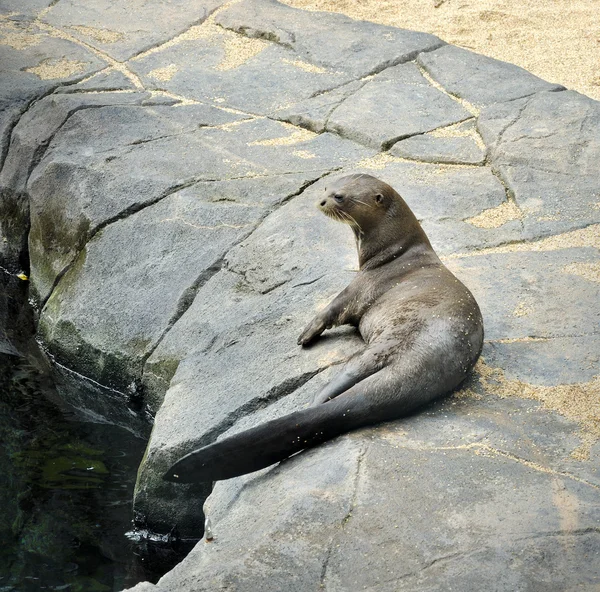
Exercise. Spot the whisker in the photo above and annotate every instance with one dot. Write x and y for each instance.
(353, 220)
(364, 203)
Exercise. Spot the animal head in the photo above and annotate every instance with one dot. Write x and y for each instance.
(382, 222)
(359, 200)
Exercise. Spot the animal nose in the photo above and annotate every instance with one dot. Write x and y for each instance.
(323, 203)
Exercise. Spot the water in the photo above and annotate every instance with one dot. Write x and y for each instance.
(65, 489)
(66, 485)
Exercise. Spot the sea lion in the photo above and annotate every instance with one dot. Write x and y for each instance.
(422, 329)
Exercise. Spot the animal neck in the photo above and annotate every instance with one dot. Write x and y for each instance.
(396, 236)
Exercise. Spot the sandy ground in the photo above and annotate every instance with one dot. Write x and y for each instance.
(558, 40)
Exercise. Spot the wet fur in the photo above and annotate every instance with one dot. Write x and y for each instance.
(422, 329)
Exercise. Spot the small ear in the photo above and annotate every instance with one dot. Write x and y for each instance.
(379, 198)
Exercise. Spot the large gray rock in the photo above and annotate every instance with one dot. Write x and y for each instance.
(29, 140)
(88, 321)
(440, 497)
(265, 57)
(38, 126)
(547, 148)
(86, 180)
(123, 28)
(478, 79)
(109, 79)
(459, 145)
(163, 252)
(174, 246)
(327, 39)
(257, 305)
(18, 7)
(396, 104)
(484, 479)
(534, 288)
(32, 64)
(259, 78)
(313, 113)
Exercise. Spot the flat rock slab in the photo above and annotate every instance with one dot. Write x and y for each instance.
(533, 288)
(160, 166)
(263, 57)
(33, 62)
(124, 28)
(546, 148)
(458, 144)
(123, 171)
(18, 7)
(313, 113)
(268, 78)
(396, 104)
(162, 252)
(480, 80)
(327, 39)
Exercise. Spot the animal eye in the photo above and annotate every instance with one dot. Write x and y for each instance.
(379, 198)
(339, 198)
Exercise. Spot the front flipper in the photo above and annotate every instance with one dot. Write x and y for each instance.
(314, 329)
(339, 312)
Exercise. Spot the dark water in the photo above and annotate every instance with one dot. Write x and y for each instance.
(65, 489)
(66, 485)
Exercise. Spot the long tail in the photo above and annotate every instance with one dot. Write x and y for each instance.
(273, 441)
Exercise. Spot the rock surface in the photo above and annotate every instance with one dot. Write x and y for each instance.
(160, 164)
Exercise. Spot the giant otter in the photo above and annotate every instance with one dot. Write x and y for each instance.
(422, 329)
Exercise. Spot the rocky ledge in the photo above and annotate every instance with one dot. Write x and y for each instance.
(160, 163)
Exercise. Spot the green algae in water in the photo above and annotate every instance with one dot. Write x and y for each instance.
(65, 490)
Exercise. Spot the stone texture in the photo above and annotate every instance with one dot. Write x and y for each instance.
(123, 28)
(90, 171)
(89, 319)
(547, 148)
(480, 80)
(326, 39)
(314, 112)
(18, 7)
(441, 150)
(29, 140)
(33, 63)
(533, 288)
(265, 56)
(459, 145)
(270, 78)
(121, 172)
(37, 127)
(396, 104)
(106, 80)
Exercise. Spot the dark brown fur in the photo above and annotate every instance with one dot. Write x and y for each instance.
(422, 329)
